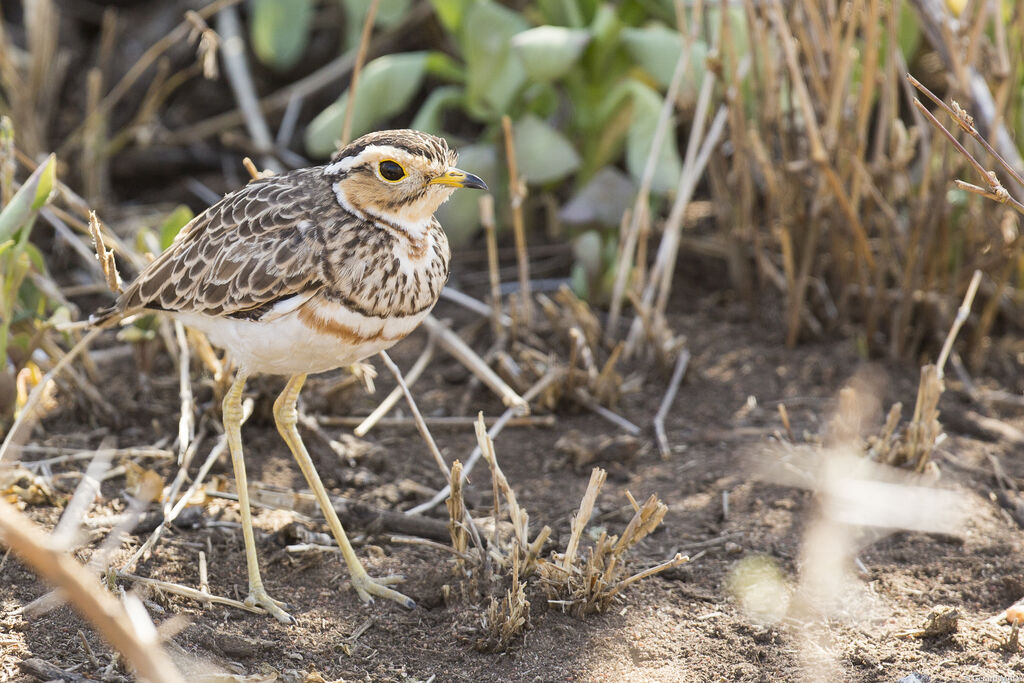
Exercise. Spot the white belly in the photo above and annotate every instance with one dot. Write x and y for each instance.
(288, 345)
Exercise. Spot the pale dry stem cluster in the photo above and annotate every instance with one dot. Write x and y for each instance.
(836, 169)
(583, 582)
(580, 580)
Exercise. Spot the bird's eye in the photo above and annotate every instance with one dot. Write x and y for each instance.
(391, 170)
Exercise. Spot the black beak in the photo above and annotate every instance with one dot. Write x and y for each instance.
(458, 178)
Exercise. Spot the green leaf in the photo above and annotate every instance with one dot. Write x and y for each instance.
(601, 201)
(603, 53)
(279, 31)
(494, 76)
(908, 32)
(451, 12)
(388, 14)
(439, 65)
(543, 153)
(428, 118)
(460, 215)
(29, 198)
(587, 250)
(656, 48)
(579, 282)
(35, 257)
(549, 52)
(173, 224)
(646, 109)
(386, 88)
(133, 334)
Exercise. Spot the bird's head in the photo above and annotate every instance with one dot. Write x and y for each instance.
(398, 176)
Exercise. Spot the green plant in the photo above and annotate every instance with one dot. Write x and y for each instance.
(582, 81)
(24, 308)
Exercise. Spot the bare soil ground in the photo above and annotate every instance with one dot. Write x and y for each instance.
(684, 625)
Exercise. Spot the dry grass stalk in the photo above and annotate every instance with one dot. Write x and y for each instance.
(682, 362)
(487, 221)
(517, 515)
(174, 508)
(517, 194)
(325, 76)
(175, 37)
(208, 43)
(582, 517)
(451, 422)
(538, 388)
(366, 424)
(364, 44)
(582, 586)
(454, 345)
(924, 432)
(456, 513)
(96, 183)
(104, 255)
(467, 520)
(184, 591)
(847, 176)
(652, 304)
(924, 429)
(125, 630)
(627, 251)
(506, 619)
(458, 298)
(965, 121)
(420, 424)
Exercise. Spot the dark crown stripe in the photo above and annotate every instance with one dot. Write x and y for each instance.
(409, 141)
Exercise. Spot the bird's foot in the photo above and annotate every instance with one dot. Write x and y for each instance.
(367, 587)
(258, 598)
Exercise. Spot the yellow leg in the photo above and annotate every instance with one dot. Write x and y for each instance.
(286, 417)
(233, 431)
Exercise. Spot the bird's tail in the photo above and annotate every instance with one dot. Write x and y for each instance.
(101, 319)
(106, 317)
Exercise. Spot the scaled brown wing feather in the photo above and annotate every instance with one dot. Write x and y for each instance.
(253, 247)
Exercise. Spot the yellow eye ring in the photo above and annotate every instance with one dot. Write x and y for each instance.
(390, 170)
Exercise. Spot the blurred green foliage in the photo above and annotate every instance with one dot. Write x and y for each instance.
(25, 309)
(582, 80)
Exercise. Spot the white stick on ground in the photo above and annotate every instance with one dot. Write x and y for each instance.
(186, 592)
(961, 318)
(474, 456)
(629, 239)
(420, 424)
(475, 305)
(186, 420)
(237, 70)
(682, 362)
(214, 454)
(600, 410)
(431, 444)
(453, 344)
(84, 591)
(389, 402)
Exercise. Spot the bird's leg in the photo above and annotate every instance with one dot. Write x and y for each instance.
(233, 430)
(286, 417)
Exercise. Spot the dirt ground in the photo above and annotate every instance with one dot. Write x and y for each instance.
(683, 625)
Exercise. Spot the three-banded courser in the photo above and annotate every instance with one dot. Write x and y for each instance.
(306, 272)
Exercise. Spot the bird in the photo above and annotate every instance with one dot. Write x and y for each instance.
(306, 272)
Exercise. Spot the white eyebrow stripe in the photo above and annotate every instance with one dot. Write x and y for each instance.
(346, 164)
